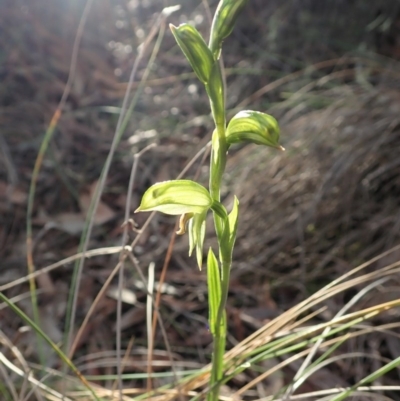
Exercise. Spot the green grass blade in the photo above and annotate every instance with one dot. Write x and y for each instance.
(368, 379)
(214, 289)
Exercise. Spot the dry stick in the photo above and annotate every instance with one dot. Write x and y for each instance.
(149, 304)
(124, 360)
(208, 11)
(121, 270)
(101, 184)
(89, 254)
(99, 296)
(39, 159)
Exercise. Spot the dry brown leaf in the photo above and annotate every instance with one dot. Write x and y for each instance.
(103, 213)
(71, 223)
(14, 195)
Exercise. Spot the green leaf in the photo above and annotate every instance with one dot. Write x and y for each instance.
(255, 127)
(197, 231)
(195, 49)
(233, 219)
(214, 289)
(227, 241)
(224, 20)
(176, 197)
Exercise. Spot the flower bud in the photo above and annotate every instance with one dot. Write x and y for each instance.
(255, 127)
(195, 49)
(223, 23)
(176, 197)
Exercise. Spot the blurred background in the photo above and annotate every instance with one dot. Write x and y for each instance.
(327, 70)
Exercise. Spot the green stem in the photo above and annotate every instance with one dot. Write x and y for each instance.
(216, 91)
(217, 167)
(220, 335)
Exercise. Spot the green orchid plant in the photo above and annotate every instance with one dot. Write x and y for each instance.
(193, 201)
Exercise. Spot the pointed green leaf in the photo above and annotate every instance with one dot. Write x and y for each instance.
(197, 230)
(253, 126)
(224, 20)
(228, 238)
(176, 197)
(233, 222)
(199, 245)
(192, 236)
(214, 289)
(195, 49)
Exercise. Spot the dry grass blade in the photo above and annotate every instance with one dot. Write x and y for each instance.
(88, 254)
(299, 377)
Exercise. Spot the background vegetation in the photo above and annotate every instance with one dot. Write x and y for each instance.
(328, 71)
